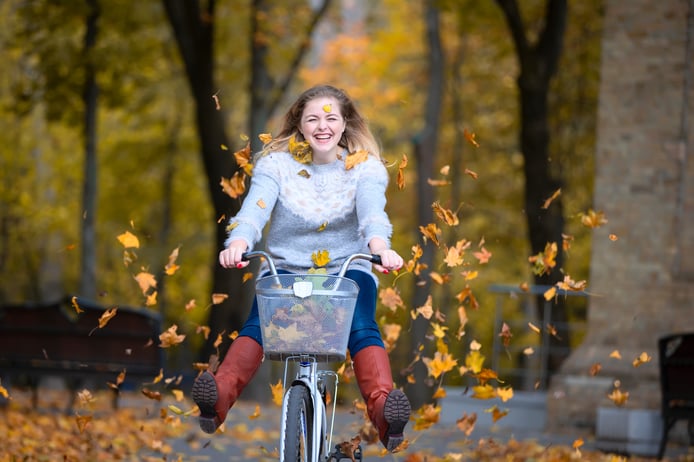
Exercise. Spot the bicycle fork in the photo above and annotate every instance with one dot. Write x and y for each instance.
(321, 430)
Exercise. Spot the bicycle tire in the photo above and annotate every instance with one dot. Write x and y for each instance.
(298, 425)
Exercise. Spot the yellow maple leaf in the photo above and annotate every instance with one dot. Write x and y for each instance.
(453, 257)
(441, 363)
(151, 298)
(618, 397)
(616, 354)
(504, 393)
(129, 240)
(474, 361)
(483, 392)
(431, 232)
(235, 186)
(320, 258)
(593, 219)
(277, 393)
(355, 158)
(300, 150)
(642, 359)
(439, 330)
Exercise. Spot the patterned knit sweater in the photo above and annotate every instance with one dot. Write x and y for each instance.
(312, 208)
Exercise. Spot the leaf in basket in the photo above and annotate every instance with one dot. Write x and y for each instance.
(290, 333)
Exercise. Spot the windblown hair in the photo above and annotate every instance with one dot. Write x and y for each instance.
(357, 135)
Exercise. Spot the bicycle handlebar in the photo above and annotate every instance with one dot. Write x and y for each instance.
(343, 269)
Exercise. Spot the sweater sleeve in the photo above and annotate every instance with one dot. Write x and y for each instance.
(257, 207)
(371, 200)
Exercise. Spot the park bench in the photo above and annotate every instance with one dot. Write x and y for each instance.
(676, 355)
(53, 339)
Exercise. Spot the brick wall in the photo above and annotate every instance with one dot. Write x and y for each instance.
(643, 282)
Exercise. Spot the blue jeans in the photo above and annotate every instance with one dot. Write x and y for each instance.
(364, 330)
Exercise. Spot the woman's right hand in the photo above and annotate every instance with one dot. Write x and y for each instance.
(231, 256)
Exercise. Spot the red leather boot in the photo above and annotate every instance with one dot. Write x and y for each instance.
(388, 409)
(215, 394)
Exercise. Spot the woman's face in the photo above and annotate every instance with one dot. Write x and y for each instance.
(322, 126)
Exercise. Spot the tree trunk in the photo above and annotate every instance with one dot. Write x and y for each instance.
(193, 30)
(538, 64)
(424, 147)
(89, 192)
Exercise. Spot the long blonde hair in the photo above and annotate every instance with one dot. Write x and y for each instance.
(357, 135)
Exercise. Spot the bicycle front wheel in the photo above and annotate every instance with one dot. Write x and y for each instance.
(298, 425)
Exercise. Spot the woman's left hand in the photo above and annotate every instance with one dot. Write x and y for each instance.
(390, 261)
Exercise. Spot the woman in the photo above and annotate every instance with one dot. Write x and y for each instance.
(315, 197)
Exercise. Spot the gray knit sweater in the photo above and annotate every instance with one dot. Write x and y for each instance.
(312, 208)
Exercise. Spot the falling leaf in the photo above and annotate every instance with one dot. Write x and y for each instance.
(256, 412)
(217, 106)
(190, 305)
(474, 361)
(497, 413)
(471, 174)
(151, 394)
(550, 293)
(595, 369)
(265, 138)
(171, 267)
(549, 200)
(470, 137)
(322, 226)
(545, 261)
(445, 215)
(224, 147)
(593, 219)
(440, 364)
(618, 397)
(146, 281)
(219, 298)
(616, 354)
(129, 240)
(427, 416)
(107, 316)
(613, 237)
(426, 310)
(355, 158)
(483, 255)
(504, 394)
(534, 328)
(466, 423)
(528, 351)
(320, 258)
(76, 306)
(506, 334)
(401, 172)
(277, 393)
(170, 337)
(300, 150)
(235, 186)
(483, 392)
(390, 298)
(82, 422)
(641, 359)
(431, 232)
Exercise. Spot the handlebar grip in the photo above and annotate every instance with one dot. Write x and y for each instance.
(375, 259)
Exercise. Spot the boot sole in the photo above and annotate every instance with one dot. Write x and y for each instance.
(205, 395)
(396, 411)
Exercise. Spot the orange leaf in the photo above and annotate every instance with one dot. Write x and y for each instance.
(219, 298)
(470, 137)
(76, 306)
(107, 316)
(171, 337)
(401, 172)
(548, 201)
(171, 267)
(466, 423)
(355, 158)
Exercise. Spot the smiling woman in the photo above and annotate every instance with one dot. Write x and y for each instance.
(321, 187)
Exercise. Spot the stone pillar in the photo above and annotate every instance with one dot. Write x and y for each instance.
(642, 283)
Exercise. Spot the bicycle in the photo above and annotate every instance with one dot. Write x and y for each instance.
(306, 318)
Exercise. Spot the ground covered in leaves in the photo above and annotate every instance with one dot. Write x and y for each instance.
(143, 429)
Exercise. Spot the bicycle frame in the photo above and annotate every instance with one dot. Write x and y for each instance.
(313, 379)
